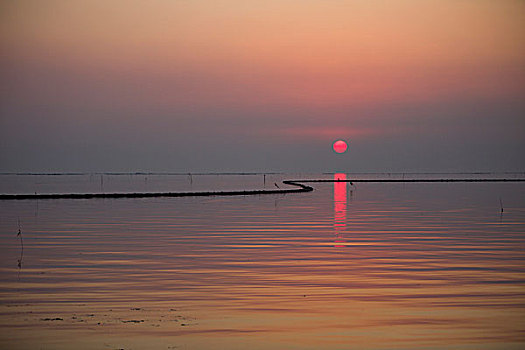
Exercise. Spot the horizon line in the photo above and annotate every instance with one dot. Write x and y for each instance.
(263, 173)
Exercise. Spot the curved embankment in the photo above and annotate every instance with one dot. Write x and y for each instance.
(298, 183)
(302, 188)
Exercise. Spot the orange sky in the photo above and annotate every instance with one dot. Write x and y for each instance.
(329, 65)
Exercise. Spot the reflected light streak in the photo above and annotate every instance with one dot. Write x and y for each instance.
(339, 209)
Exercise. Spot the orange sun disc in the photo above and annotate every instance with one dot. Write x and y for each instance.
(340, 146)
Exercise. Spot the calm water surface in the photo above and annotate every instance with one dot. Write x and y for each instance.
(363, 266)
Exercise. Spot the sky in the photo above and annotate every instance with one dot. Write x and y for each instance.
(242, 85)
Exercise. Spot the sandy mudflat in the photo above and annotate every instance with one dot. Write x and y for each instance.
(68, 326)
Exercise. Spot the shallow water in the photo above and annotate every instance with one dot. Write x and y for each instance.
(370, 266)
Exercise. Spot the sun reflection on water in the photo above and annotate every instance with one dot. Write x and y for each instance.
(339, 209)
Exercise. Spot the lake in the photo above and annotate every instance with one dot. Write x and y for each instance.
(347, 266)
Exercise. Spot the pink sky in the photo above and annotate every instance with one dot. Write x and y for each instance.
(251, 85)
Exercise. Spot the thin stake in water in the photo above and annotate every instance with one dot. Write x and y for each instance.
(19, 234)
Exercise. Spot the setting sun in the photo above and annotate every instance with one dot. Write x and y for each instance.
(340, 146)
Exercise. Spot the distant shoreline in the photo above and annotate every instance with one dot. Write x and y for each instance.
(262, 173)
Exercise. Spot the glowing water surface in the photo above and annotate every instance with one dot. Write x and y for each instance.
(348, 266)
